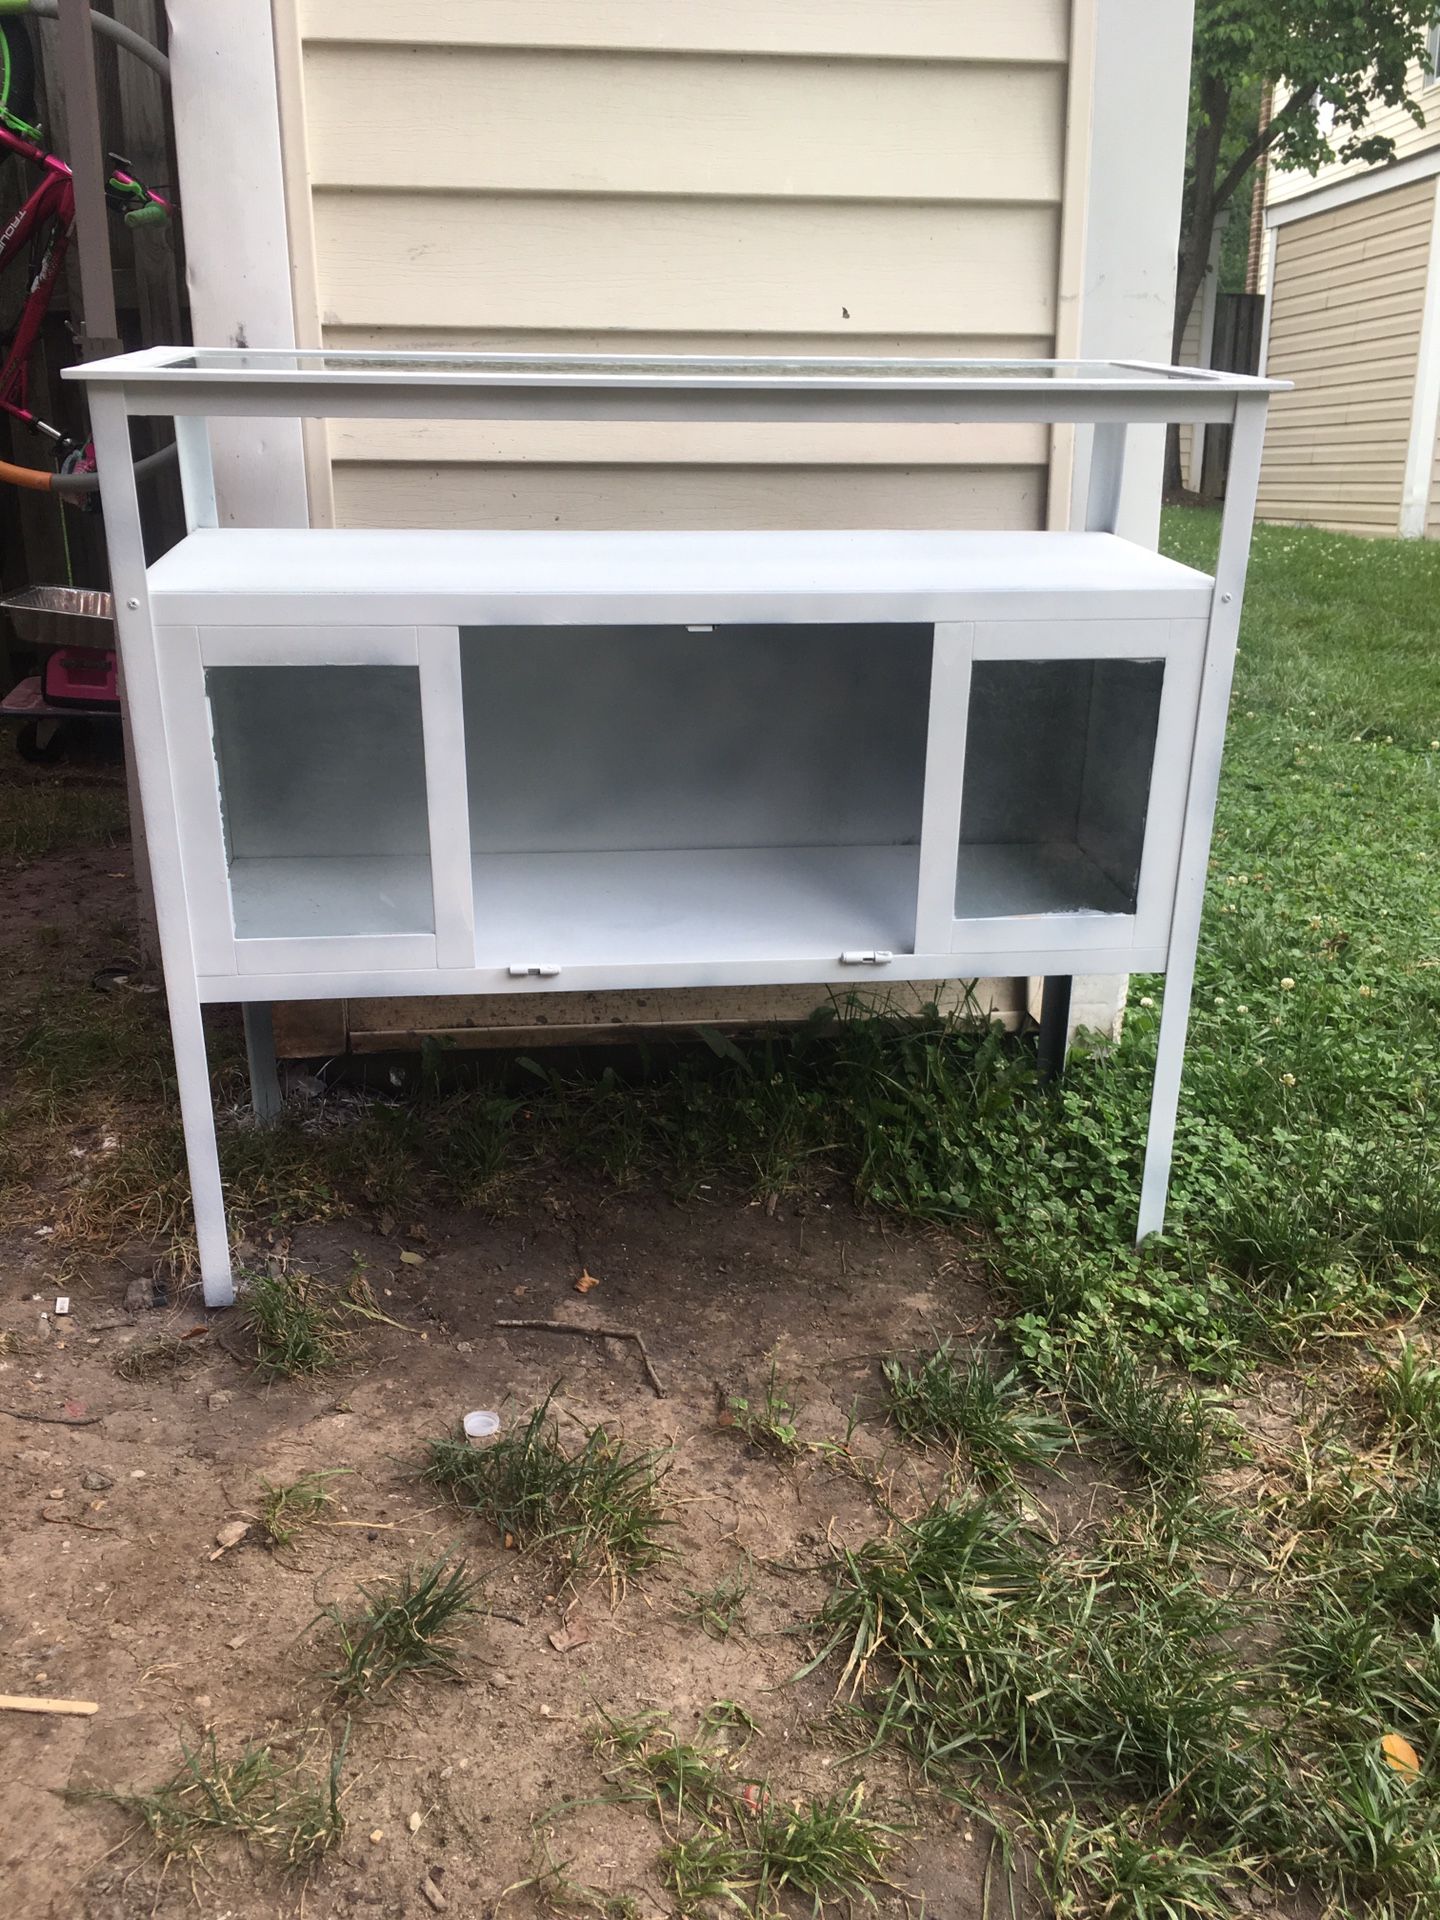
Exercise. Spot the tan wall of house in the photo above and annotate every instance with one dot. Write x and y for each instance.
(827, 176)
(1432, 517)
(1347, 303)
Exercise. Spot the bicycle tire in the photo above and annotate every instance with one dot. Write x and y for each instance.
(17, 71)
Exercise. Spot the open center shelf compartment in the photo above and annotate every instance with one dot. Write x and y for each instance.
(682, 796)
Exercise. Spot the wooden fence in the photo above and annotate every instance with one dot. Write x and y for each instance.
(1239, 321)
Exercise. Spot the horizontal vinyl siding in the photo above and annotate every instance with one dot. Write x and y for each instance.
(1394, 122)
(1345, 327)
(598, 495)
(640, 176)
(556, 261)
(1020, 32)
(682, 125)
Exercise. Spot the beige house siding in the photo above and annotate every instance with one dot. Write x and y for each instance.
(1346, 309)
(830, 176)
(1290, 184)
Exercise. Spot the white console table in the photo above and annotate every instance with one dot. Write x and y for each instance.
(441, 762)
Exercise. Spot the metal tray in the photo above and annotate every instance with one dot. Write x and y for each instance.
(62, 616)
(27, 702)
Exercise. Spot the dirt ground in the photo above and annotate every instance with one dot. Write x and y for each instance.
(111, 1593)
(113, 1491)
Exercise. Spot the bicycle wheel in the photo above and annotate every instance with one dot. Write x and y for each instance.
(17, 73)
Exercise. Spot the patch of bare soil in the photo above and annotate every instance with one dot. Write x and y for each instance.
(111, 1592)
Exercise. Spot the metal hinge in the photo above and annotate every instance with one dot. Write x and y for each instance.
(546, 973)
(869, 957)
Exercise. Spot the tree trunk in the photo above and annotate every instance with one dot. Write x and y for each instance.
(1195, 240)
(1203, 205)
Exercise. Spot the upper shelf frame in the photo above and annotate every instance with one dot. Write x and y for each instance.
(298, 383)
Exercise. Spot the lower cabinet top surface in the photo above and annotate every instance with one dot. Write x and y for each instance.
(279, 575)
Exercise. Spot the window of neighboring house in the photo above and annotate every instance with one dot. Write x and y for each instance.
(1432, 56)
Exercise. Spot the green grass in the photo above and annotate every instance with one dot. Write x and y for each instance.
(1129, 1869)
(49, 815)
(597, 1506)
(277, 1807)
(1375, 1541)
(1144, 1680)
(297, 1323)
(823, 1850)
(289, 1510)
(1407, 1396)
(768, 1419)
(1354, 1668)
(401, 1631)
(1169, 1431)
(736, 1842)
(996, 1419)
(965, 1635)
(644, 1756)
(719, 1610)
(708, 1869)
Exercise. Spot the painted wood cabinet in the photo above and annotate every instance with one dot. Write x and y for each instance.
(468, 762)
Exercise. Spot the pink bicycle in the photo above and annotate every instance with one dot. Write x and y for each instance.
(70, 627)
(40, 232)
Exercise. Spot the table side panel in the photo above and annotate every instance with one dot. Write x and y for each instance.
(190, 744)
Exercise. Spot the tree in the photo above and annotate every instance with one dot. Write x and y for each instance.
(1331, 62)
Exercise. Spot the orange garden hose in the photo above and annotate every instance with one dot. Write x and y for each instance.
(36, 478)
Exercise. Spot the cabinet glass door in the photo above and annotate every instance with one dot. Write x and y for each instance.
(314, 768)
(1058, 762)
(1060, 789)
(321, 776)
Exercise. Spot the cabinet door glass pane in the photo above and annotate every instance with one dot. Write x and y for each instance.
(322, 793)
(1058, 759)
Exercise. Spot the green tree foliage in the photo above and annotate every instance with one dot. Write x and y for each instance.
(1332, 63)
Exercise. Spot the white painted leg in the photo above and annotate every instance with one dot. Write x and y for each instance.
(1164, 1103)
(197, 1114)
(1244, 481)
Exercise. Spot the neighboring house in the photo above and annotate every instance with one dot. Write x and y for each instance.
(706, 176)
(1352, 275)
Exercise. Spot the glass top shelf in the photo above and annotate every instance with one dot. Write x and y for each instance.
(183, 365)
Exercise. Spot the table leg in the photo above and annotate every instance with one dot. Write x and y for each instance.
(197, 1114)
(1054, 1038)
(265, 1096)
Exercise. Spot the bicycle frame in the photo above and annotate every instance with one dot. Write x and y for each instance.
(52, 203)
